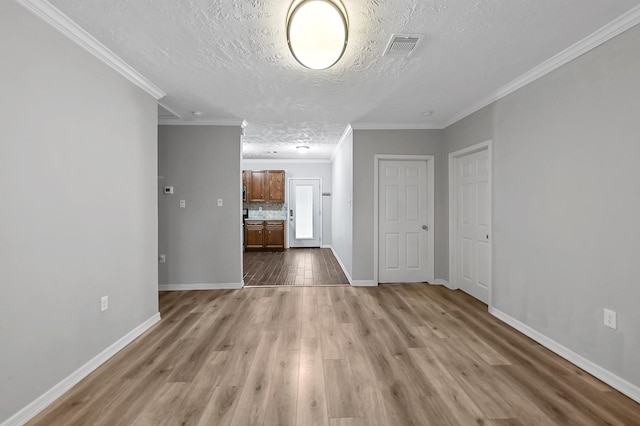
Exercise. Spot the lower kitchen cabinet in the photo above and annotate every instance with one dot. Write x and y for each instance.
(264, 235)
(254, 235)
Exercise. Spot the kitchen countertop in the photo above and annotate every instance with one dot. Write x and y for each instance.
(265, 218)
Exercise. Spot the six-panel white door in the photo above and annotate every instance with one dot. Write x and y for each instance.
(403, 218)
(473, 251)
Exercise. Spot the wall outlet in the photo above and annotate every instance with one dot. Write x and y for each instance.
(162, 258)
(168, 189)
(219, 202)
(104, 303)
(610, 319)
(183, 204)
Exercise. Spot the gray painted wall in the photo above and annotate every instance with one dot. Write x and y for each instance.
(202, 242)
(566, 236)
(303, 170)
(368, 143)
(79, 208)
(342, 211)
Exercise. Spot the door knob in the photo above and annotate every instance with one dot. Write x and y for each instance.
(425, 227)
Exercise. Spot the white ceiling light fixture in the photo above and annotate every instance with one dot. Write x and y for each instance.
(317, 32)
(302, 149)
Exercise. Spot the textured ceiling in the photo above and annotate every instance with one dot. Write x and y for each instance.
(230, 60)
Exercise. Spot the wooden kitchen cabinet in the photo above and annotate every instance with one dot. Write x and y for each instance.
(264, 235)
(256, 185)
(246, 176)
(274, 234)
(264, 185)
(275, 186)
(254, 234)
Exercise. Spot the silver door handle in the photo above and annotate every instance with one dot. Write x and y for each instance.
(425, 227)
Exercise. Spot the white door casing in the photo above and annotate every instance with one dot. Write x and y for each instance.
(470, 221)
(305, 226)
(404, 219)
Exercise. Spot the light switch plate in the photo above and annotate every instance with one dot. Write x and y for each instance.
(183, 204)
(219, 202)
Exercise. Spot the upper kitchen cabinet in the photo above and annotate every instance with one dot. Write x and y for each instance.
(275, 184)
(256, 186)
(265, 185)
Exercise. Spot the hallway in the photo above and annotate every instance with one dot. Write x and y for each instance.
(293, 267)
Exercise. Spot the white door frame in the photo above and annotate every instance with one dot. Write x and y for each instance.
(286, 189)
(430, 207)
(453, 210)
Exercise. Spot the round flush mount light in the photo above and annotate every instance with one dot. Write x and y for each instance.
(317, 32)
(302, 148)
(427, 113)
(197, 113)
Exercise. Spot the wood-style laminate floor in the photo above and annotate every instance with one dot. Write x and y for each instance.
(391, 355)
(311, 266)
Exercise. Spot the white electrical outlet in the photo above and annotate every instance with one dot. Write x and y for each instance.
(162, 258)
(104, 303)
(610, 318)
(183, 204)
(219, 202)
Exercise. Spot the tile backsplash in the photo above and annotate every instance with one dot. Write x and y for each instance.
(277, 211)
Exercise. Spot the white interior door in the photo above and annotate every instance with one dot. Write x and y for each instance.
(473, 211)
(304, 213)
(403, 218)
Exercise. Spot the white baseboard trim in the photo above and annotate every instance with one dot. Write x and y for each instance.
(438, 281)
(344, 269)
(44, 400)
(616, 382)
(363, 283)
(200, 286)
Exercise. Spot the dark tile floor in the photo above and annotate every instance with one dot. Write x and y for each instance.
(294, 267)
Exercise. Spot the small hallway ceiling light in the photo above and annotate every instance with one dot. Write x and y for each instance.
(317, 32)
(302, 148)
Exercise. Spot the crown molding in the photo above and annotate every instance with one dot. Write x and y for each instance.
(347, 131)
(221, 122)
(604, 34)
(178, 116)
(396, 126)
(58, 20)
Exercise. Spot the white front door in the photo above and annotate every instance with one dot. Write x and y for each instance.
(304, 213)
(473, 221)
(403, 222)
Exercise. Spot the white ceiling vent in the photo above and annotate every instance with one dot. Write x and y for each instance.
(402, 44)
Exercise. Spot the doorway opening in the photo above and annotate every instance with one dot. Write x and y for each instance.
(470, 221)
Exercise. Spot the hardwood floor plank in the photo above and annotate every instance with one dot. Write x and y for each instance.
(252, 406)
(330, 333)
(312, 405)
(348, 421)
(310, 313)
(281, 409)
(220, 408)
(339, 392)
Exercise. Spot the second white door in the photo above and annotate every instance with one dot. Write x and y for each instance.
(403, 222)
(473, 220)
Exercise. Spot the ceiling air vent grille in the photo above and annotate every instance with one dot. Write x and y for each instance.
(402, 44)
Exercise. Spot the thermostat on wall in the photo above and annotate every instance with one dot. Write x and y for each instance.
(168, 189)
